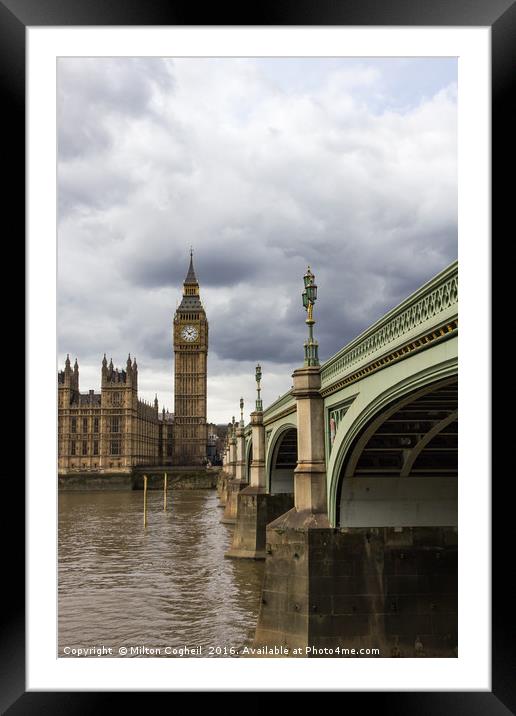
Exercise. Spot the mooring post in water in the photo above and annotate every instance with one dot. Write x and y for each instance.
(165, 492)
(145, 500)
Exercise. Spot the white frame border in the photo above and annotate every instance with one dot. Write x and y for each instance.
(471, 670)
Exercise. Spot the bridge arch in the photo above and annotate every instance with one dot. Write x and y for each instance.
(282, 459)
(359, 435)
(248, 459)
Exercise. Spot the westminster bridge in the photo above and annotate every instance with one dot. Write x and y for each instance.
(347, 487)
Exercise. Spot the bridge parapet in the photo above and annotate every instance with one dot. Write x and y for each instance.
(284, 404)
(427, 315)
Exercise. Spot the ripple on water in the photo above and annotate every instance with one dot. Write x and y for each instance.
(167, 585)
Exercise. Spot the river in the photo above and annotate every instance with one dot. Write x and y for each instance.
(164, 587)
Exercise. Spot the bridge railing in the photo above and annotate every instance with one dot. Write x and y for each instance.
(278, 406)
(432, 305)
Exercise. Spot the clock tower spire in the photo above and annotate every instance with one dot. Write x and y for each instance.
(190, 374)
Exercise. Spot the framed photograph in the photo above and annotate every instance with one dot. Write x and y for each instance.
(244, 247)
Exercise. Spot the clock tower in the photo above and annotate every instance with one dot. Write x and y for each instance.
(190, 370)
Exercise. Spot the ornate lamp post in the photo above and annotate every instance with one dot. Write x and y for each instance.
(232, 446)
(309, 298)
(258, 376)
(240, 473)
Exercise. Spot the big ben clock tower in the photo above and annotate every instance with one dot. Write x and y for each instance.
(190, 364)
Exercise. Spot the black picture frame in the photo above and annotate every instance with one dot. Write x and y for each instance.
(500, 16)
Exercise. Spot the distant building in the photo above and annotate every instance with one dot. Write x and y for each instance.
(115, 431)
(211, 448)
(112, 430)
(216, 442)
(166, 437)
(190, 375)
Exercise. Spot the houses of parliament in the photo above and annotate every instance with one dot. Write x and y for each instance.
(114, 430)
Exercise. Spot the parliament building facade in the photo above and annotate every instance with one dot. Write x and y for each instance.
(115, 431)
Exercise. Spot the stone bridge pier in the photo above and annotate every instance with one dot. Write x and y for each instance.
(239, 476)
(229, 467)
(223, 475)
(300, 545)
(256, 506)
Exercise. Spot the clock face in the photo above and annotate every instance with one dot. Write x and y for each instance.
(189, 333)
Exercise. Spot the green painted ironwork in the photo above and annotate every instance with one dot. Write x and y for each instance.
(282, 402)
(432, 304)
(335, 415)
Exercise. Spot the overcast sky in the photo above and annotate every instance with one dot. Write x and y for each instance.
(263, 166)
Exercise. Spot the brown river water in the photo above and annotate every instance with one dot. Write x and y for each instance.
(169, 585)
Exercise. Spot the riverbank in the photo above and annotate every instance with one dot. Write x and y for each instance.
(178, 478)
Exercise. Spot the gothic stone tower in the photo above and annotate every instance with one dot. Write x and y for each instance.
(190, 365)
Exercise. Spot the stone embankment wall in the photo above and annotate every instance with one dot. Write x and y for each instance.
(178, 479)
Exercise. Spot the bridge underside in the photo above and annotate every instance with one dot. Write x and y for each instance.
(249, 459)
(398, 526)
(402, 471)
(283, 463)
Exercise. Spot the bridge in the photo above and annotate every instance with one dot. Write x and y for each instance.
(347, 487)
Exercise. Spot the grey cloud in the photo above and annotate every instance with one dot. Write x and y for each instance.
(170, 268)
(92, 90)
(77, 138)
(257, 340)
(100, 191)
(156, 155)
(157, 344)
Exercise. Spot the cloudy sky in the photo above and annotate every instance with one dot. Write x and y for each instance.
(263, 166)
